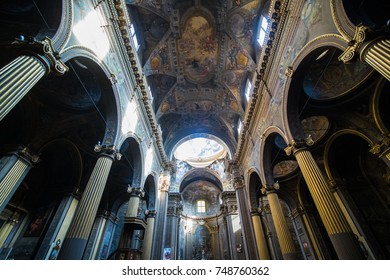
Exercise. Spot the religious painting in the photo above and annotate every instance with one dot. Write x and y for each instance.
(38, 222)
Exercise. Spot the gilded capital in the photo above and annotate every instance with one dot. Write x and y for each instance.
(270, 188)
(295, 146)
(354, 45)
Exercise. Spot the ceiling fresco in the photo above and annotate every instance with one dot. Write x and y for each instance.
(197, 57)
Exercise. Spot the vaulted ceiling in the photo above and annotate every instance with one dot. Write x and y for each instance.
(197, 56)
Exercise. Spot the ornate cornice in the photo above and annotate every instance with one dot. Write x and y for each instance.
(138, 75)
(275, 21)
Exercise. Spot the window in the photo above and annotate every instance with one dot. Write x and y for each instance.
(201, 206)
(262, 29)
(134, 37)
(239, 126)
(248, 90)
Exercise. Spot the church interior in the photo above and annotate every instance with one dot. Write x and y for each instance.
(194, 130)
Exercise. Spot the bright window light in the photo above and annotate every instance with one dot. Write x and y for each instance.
(130, 119)
(248, 90)
(262, 30)
(201, 206)
(89, 33)
(149, 160)
(239, 127)
(134, 36)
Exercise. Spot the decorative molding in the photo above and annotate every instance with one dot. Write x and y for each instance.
(44, 51)
(354, 44)
(123, 23)
(108, 150)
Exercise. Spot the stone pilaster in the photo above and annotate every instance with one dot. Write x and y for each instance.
(18, 77)
(80, 228)
(284, 236)
(336, 225)
(135, 196)
(13, 169)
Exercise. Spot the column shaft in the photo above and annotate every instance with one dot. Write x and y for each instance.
(16, 79)
(148, 239)
(261, 243)
(284, 236)
(80, 228)
(336, 225)
(13, 170)
(377, 54)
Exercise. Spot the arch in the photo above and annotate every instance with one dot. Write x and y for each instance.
(378, 106)
(171, 143)
(350, 14)
(200, 174)
(331, 141)
(110, 94)
(266, 148)
(362, 188)
(312, 52)
(132, 161)
(150, 188)
(254, 187)
(61, 37)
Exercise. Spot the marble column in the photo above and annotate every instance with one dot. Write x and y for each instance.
(148, 239)
(163, 189)
(246, 221)
(261, 243)
(38, 59)
(286, 242)
(373, 48)
(13, 169)
(80, 228)
(340, 233)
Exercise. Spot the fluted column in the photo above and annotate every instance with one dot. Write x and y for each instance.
(246, 221)
(148, 239)
(80, 228)
(284, 236)
(261, 243)
(163, 189)
(373, 47)
(13, 169)
(18, 77)
(7, 228)
(336, 225)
